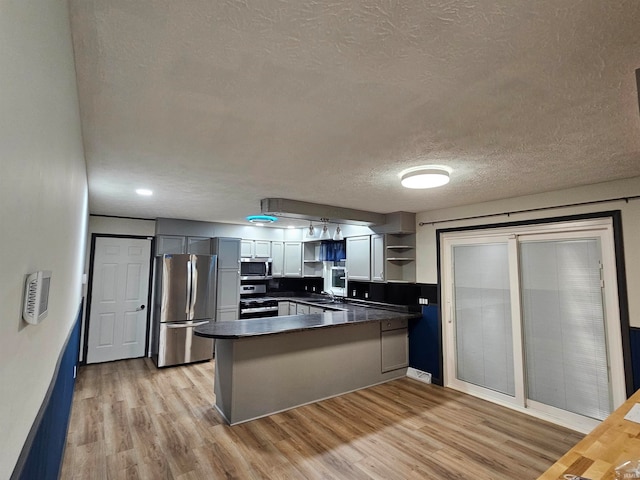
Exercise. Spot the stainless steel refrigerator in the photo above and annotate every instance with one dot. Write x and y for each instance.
(184, 297)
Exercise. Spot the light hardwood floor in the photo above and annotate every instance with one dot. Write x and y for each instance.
(131, 420)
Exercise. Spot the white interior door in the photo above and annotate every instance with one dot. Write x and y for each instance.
(119, 294)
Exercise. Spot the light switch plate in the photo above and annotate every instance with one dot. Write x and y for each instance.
(634, 414)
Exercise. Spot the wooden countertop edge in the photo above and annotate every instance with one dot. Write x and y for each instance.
(609, 445)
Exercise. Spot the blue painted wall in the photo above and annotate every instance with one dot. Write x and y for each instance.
(634, 340)
(42, 454)
(425, 346)
(425, 349)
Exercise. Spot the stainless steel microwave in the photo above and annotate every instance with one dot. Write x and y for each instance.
(255, 269)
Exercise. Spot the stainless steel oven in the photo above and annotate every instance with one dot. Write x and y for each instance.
(258, 308)
(254, 305)
(255, 269)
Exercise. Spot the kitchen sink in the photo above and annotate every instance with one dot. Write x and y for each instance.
(322, 301)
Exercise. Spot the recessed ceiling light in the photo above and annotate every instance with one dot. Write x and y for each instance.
(145, 192)
(425, 177)
(291, 226)
(261, 219)
(258, 224)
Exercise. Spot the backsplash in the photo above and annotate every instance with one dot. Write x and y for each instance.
(396, 293)
(309, 284)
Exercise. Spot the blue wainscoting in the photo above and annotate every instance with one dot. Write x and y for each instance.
(634, 340)
(425, 350)
(41, 456)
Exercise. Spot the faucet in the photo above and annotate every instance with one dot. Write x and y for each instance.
(331, 295)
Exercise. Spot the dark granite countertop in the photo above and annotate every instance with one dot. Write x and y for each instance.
(350, 313)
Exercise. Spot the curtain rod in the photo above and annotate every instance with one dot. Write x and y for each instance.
(530, 210)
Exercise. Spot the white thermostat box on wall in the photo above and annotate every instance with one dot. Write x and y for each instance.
(36, 297)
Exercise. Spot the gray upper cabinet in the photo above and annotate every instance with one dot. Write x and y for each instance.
(377, 258)
(312, 263)
(228, 282)
(255, 248)
(199, 245)
(228, 252)
(277, 257)
(400, 257)
(171, 244)
(262, 248)
(246, 248)
(181, 244)
(359, 258)
(292, 259)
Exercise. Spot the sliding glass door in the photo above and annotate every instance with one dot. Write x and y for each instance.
(484, 347)
(526, 321)
(564, 325)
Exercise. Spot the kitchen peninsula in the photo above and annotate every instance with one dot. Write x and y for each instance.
(267, 365)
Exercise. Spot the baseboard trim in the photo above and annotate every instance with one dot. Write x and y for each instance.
(424, 377)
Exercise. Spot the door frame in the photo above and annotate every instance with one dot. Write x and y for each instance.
(87, 315)
(618, 244)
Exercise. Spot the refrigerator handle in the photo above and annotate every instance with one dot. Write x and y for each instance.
(188, 302)
(194, 285)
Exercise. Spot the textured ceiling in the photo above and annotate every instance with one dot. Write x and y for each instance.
(217, 104)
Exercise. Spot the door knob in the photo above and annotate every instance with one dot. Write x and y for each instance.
(140, 308)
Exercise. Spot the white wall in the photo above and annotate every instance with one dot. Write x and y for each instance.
(43, 205)
(426, 234)
(116, 226)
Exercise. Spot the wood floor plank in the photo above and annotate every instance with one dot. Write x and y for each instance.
(131, 420)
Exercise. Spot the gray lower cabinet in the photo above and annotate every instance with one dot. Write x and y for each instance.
(283, 309)
(302, 309)
(225, 315)
(394, 344)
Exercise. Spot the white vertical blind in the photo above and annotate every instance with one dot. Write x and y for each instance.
(564, 329)
(484, 344)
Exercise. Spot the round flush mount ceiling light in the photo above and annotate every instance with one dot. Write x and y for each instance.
(257, 219)
(430, 176)
(145, 192)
